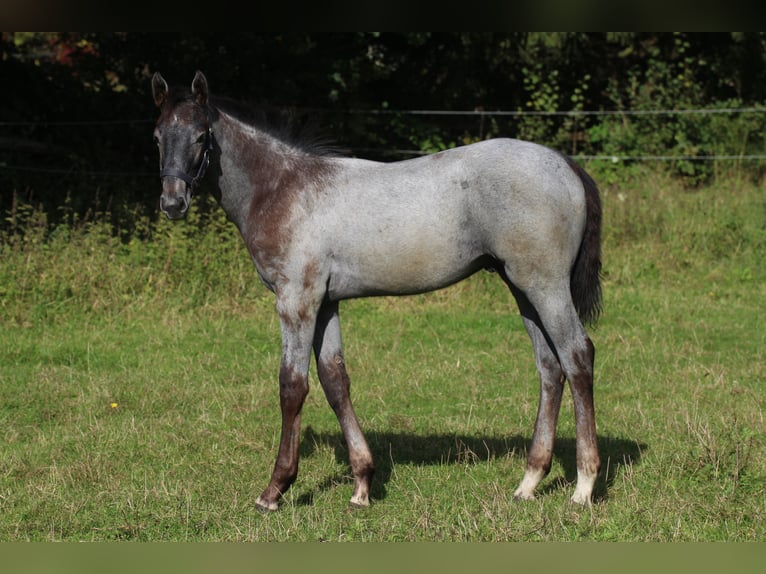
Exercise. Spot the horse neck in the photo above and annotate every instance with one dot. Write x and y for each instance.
(252, 162)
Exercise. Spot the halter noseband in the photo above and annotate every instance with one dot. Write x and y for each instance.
(192, 181)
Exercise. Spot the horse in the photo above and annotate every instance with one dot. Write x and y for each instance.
(322, 228)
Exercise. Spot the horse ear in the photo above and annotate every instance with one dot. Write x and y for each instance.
(159, 88)
(199, 88)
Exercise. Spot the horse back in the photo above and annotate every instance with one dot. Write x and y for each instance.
(420, 224)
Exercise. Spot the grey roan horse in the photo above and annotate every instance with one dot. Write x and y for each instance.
(321, 229)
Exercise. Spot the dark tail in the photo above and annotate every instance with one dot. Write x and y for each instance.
(585, 281)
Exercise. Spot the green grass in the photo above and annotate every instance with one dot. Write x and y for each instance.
(139, 396)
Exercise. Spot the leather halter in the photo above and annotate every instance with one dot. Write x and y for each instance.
(192, 181)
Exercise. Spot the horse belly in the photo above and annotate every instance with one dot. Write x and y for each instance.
(401, 269)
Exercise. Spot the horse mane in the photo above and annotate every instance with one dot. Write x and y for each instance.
(299, 131)
(287, 125)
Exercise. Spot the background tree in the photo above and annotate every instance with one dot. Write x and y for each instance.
(76, 112)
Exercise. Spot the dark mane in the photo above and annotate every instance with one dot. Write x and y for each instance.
(299, 131)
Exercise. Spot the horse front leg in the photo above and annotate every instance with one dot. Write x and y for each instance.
(336, 384)
(297, 331)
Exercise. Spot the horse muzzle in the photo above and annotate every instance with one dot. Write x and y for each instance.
(174, 203)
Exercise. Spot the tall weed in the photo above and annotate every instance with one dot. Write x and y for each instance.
(53, 272)
(86, 267)
(652, 209)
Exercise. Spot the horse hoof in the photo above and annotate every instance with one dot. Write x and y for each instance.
(522, 496)
(358, 502)
(265, 507)
(353, 506)
(581, 500)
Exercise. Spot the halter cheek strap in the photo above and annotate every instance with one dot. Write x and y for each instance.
(182, 175)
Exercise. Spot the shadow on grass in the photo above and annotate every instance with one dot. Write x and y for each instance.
(393, 448)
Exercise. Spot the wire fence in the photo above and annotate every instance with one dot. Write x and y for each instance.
(627, 113)
(477, 113)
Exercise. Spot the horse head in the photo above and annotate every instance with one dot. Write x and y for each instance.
(184, 140)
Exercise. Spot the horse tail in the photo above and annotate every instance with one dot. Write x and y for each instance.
(585, 279)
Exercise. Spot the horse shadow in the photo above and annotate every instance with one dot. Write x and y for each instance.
(393, 448)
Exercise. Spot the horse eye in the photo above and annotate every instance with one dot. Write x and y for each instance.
(201, 139)
(156, 140)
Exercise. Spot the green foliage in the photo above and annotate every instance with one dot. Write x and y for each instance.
(673, 84)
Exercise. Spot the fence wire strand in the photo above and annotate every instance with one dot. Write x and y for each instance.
(405, 152)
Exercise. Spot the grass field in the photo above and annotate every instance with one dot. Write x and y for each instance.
(139, 396)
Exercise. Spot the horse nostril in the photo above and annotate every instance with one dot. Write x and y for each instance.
(174, 206)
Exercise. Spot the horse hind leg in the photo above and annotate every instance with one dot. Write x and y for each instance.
(336, 384)
(565, 339)
(581, 383)
(551, 391)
